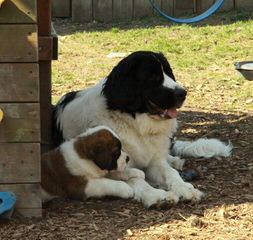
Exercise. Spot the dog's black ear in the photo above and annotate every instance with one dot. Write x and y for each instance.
(122, 88)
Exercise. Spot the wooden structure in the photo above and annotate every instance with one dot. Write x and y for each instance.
(108, 10)
(26, 52)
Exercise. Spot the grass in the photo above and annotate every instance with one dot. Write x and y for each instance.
(202, 55)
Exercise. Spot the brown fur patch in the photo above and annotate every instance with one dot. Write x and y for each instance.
(57, 180)
(100, 147)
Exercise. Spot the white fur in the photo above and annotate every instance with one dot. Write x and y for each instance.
(144, 138)
(205, 148)
(97, 188)
(169, 82)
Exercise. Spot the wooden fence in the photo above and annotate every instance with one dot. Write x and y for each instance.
(108, 10)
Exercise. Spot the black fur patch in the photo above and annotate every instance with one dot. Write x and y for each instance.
(137, 80)
(67, 99)
(57, 131)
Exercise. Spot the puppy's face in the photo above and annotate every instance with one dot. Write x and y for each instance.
(103, 147)
(144, 82)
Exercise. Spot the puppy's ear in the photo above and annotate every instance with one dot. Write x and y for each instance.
(122, 88)
(102, 159)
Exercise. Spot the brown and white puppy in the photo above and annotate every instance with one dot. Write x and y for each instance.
(90, 165)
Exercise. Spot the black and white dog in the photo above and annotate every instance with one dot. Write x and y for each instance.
(139, 100)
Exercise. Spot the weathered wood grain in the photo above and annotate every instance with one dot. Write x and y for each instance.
(30, 212)
(61, 8)
(18, 11)
(20, 81)
(28, 195)
(21, 122)
(82, 11)
(206, 4)
(102, 10)
(123, 9)
(168, 7)
(244, 4)
(18, 43)
(227, 5)
(19, 162)
(142, 8)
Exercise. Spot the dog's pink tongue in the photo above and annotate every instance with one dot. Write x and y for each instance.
(171, 112)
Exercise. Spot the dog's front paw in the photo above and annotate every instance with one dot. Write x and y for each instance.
(159, 199)
(126, 191)
(186, 192)
(135, 173)
(176, 162)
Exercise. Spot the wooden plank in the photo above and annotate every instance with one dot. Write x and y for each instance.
(102, 10)
(245, 4)
(20, 82)
(20, 162)
(82, 11)
(61, 8)
(18, 11)
(181, 7)
(184, 4)
(21, 122)
(28, 195)
(142, 8)
(123, 9)
(44, 17)
(168, 7)
(30, 212)
(206, 4)
(18, 43)
(227, 6)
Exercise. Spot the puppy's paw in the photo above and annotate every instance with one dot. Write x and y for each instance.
(186, 192)
(176, 162)
(135, 173)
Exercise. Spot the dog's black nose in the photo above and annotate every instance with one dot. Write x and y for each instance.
(127, 159)
(180, 93)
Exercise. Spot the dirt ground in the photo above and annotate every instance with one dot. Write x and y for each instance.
(226, 213)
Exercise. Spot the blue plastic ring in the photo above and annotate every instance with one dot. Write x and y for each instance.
(198, 18)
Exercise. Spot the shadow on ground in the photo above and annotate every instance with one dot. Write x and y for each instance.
(226, 182)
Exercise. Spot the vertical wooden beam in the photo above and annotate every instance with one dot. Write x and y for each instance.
(44, 17)
(82, 10)
(102, 10)
(123, 9)
(44, 29)
(45, 103)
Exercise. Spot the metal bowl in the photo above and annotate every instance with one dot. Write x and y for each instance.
(245, 68)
